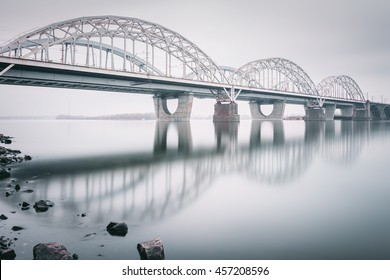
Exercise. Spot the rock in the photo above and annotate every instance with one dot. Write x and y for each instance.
(89, 236)
(27, 157)
(117, 229)
(25, 204)
(16, 228)
(4, 174)
(25, 208)
(7, 194)
(75, 256)
(28, 191)
(83, 215)
(151, 250)
(17, 187)
(43, 205)
(7, 254)
(51, 251)
(3, 217)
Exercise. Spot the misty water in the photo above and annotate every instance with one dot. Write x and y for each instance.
(253, 190)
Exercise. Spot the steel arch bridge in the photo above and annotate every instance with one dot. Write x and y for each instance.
(117, 43)
(340, 87)
(152, 59)
(274, 74)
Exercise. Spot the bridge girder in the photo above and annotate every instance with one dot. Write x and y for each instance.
(340, 87)
(91, 38)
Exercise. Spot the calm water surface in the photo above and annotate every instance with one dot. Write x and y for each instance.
(254, 190)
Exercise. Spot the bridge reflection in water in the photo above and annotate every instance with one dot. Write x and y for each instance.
(149, 186)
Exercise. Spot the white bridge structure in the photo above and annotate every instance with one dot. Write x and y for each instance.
(123, 54)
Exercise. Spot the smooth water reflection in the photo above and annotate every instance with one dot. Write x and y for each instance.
(254, 190)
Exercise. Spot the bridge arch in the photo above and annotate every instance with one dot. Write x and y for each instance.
(340, 87)
(386, 112)
(117, 43)
(375, 113)
(275, 74)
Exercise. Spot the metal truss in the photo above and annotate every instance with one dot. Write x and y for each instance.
(116, 43)
(274, 74)
(340, 87)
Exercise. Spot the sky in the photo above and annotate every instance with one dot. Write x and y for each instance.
(325, 38)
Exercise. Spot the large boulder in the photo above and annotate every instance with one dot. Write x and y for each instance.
(43, 205)
(117, 229)
(51, 251)
(7, 254)
(151, 250)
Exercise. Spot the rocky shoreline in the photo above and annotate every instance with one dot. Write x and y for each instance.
(9, 156)
(151, 249)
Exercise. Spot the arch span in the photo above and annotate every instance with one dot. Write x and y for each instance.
(275, 74)
(118, 43)
(340, 87)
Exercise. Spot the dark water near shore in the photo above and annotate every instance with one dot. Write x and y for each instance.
(254, 190)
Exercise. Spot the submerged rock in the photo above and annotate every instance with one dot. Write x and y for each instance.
(51, 251)
(151, 250)
(117, 229)
(17, 228)
(43, 205)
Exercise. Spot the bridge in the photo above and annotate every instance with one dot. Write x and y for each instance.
(122, 54)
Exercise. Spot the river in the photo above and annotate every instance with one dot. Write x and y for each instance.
(253, 190)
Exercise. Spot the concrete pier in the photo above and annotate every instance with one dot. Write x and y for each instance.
(182, 113)
(276, 114)
(330, 109)
(315, 114)
(226, 112)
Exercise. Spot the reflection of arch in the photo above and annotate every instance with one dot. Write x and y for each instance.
(340, 87)
(275, 74)
(183, 134)
(346, 146)
(277, 128)
(108, 40)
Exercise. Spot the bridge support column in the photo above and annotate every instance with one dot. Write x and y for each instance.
(362, 113)
(277, 112)
(315, 114)
(182, 113)
(330, 109)
(347, 112)
(226, 112)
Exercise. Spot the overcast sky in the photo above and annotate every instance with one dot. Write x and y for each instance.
(334, 37)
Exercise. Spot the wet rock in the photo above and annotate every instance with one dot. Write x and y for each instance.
(151, 250)
(7, 194)
(28, 191)
(27, 157)
(75, 256)
(89, 236)
(117, 229)
(7, 141)
(4, 174)
(3, 217)
(83, 215)
(43, 205)
(7, 254)
(17, 228)
(17, 188)
(51, 251)
(25, 204)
